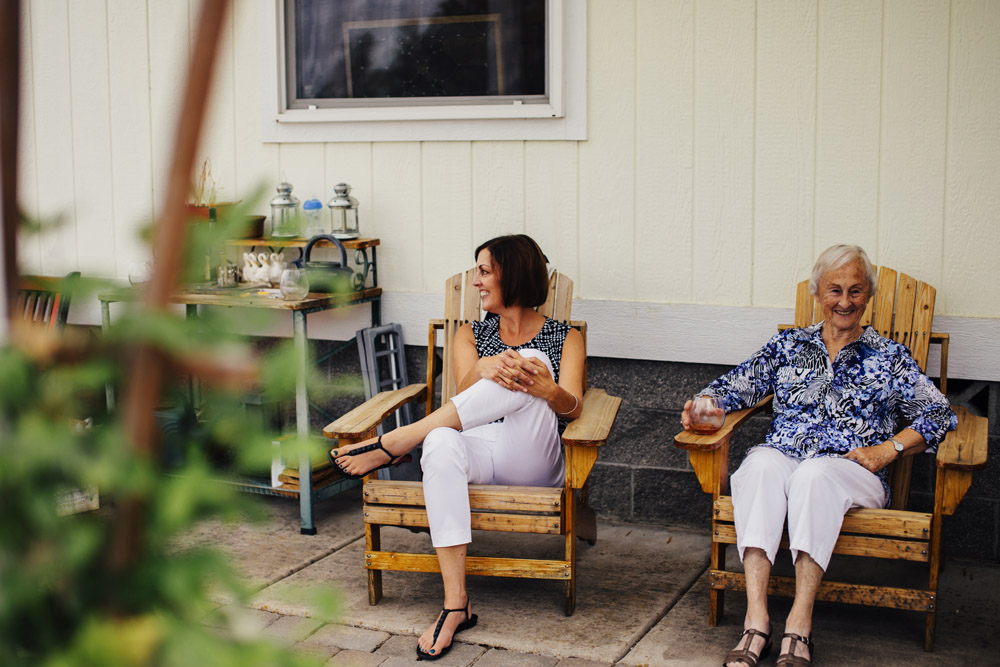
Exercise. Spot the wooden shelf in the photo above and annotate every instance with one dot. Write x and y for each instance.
(300, 242)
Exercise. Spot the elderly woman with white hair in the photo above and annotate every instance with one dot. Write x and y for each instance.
(839, 391)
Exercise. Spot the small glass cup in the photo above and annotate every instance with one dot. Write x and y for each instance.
(139, 273)
(294, 285)
(708, 413)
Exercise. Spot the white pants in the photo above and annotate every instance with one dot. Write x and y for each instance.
(523, 450)
(816, 493)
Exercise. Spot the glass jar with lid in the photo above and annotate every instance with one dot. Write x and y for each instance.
(285, 217)
(343, 213)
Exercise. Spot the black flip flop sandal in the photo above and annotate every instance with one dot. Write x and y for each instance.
(393, 461)
(470, 621)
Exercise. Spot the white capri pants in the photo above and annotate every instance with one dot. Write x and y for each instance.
(524, 449)
(815, 493)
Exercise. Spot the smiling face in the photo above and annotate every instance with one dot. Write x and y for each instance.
(487, 281)
(843, 296)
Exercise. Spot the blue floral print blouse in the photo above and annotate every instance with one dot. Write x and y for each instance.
(828, 409)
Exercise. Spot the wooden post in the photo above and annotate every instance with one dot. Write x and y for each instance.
(10, 89)
(147, 364)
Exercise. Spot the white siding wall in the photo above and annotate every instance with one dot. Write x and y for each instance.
(729, 141)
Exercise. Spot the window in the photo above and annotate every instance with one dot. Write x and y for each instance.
(369, 70)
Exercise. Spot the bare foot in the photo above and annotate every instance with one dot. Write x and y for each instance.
(426, 641)
(755, 643)
(360, 464)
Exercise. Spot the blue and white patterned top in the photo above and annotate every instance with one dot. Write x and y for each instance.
(828, 409)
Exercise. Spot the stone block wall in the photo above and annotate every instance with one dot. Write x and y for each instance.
(641, 477)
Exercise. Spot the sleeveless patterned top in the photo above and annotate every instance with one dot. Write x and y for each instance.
(549, 340)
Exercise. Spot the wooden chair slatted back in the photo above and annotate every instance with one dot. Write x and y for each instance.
(902, 309)
(461, 305)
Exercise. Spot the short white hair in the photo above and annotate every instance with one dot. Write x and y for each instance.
(837, 256)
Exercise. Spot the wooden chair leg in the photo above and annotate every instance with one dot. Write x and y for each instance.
(571, 517)
(373, 542)
(586, 523)
(716, 598)
(929, 631)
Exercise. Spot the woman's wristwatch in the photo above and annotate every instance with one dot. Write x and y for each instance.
(898, 446)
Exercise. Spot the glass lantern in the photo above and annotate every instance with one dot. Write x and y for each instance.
(343, 213)
(285, 218)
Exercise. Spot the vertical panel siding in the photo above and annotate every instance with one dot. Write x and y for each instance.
(497, 189)
(729, 142)
(723, 152)
(550, 202)
(447, 208)
(607, 158)
(256, 164)
(784, 148)
(54, 135)
(303, 166)
(972, 230)
(848, 99)
(397, 209)
(131, 158)
(167, 27)
(28, 247)
(92, 175)
(351, 164)
(914, 106)
(218, 134)
(663, 157)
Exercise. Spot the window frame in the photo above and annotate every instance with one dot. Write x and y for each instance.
(563, 117)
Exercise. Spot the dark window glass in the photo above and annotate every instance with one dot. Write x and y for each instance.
(418, 50)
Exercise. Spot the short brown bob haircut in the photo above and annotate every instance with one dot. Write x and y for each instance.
(520, 265)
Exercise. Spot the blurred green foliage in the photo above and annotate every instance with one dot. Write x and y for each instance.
(62, 601)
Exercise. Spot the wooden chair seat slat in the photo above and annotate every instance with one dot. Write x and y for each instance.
(913, 599)
(416, 517)
(847, 545)
(884, 523)
(522, 568)
(490, 497)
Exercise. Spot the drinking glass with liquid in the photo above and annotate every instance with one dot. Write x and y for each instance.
(708, 413)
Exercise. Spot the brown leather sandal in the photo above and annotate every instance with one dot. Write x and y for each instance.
(789, 659)
(745, 655)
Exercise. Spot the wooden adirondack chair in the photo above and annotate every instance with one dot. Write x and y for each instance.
(44, 300)
(517, 509)
(904, 314)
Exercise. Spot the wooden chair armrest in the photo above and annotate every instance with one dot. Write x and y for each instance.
(594, 424)
(965, 447)
(364, 418)
(712, 441)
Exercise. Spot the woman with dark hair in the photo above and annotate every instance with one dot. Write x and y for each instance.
(517, 374)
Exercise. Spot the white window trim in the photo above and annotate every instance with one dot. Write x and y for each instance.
(564, 117)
